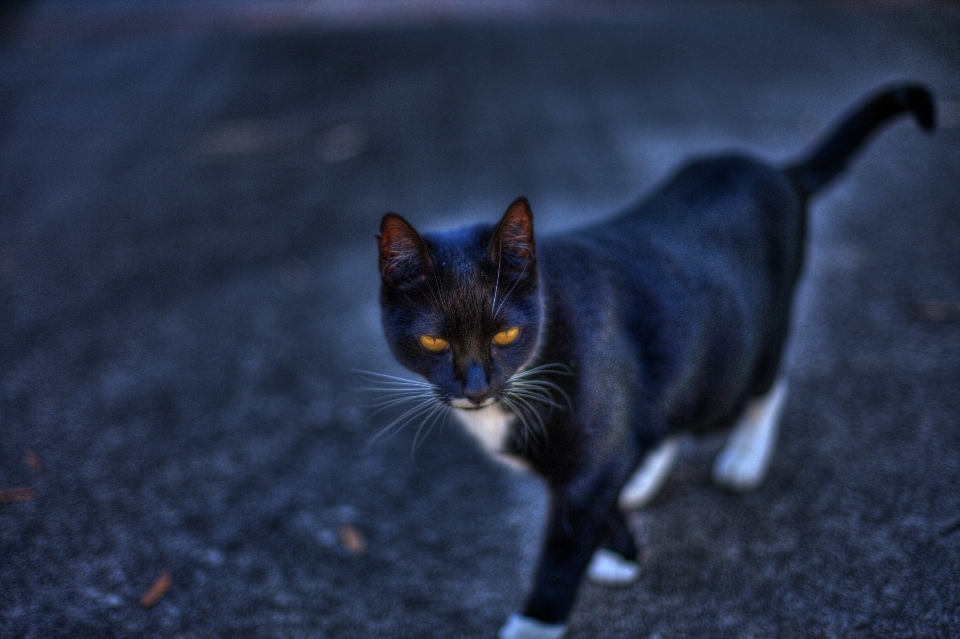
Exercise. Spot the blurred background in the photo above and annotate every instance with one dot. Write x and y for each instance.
(189, 192)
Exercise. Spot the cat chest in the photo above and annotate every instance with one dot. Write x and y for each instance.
(490, 427)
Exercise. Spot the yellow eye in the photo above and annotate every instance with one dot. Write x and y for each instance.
(433, 344)
(509, 336)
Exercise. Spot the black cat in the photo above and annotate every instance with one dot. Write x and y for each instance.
(583, 354)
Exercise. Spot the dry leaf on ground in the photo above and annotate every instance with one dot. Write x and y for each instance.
(352, 539)
(157, 590)
(937, 312)
(20, 493)
(33, 461)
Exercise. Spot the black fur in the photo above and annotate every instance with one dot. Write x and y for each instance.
(669, 318)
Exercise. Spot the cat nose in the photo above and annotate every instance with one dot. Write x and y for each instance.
(476, 387)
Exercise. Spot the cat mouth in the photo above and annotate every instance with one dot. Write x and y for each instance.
(469, 404)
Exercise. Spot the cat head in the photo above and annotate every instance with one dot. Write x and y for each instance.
(462, 308)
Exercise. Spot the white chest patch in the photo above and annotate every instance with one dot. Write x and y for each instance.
(489, 426)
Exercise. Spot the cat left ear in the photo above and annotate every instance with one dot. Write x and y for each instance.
(513, 236)
(403, 253)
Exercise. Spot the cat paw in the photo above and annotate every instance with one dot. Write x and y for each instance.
(520, 627)
(739, 470)
(607, 568)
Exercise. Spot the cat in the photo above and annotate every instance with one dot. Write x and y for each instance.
(583, 356)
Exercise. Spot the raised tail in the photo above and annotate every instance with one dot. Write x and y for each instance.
(831, 157)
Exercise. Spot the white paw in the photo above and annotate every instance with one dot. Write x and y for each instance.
(739, 469)
(743, 462)
(520, 627)
(647, 481)
(607, 568)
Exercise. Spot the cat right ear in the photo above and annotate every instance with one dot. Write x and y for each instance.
(403, 253)
(513, 240)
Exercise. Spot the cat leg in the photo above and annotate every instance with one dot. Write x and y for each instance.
(576, 524)
(614, 563)
(522, 627)
(743, 462)
(647, 481)
(608, 568)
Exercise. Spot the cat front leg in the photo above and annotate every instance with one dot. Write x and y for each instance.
(577, 523)
(522, 627)
(616, 561)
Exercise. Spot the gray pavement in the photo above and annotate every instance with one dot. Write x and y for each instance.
(188, 280)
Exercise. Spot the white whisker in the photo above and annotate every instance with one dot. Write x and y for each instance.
(383, 405)
(542, 399)
(496, 284)
(554, 368)
(404, 419)
(437, 412)
(540, 385)
(507, 296)
(527, 390)
(427, 406)
(392, 390)
(516, 410)
(534, 412)
(378, 377)
(544, 390)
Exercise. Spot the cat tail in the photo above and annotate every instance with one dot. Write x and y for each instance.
(831, 157)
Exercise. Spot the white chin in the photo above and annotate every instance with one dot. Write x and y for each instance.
(463, 402)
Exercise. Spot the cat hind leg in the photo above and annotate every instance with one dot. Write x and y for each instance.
(743, 462)
(647, 480)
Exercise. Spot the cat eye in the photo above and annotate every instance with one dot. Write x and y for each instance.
(433, 344)
(507, 337)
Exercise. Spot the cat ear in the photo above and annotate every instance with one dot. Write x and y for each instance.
(513, 237)
(403, 254)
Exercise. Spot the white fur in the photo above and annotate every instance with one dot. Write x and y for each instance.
(607, 568)
(489, 426)
(744, 461)
(520, 627)
(462, 402)
(647, 480)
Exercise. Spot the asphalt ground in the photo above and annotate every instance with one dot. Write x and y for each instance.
(188, 283)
